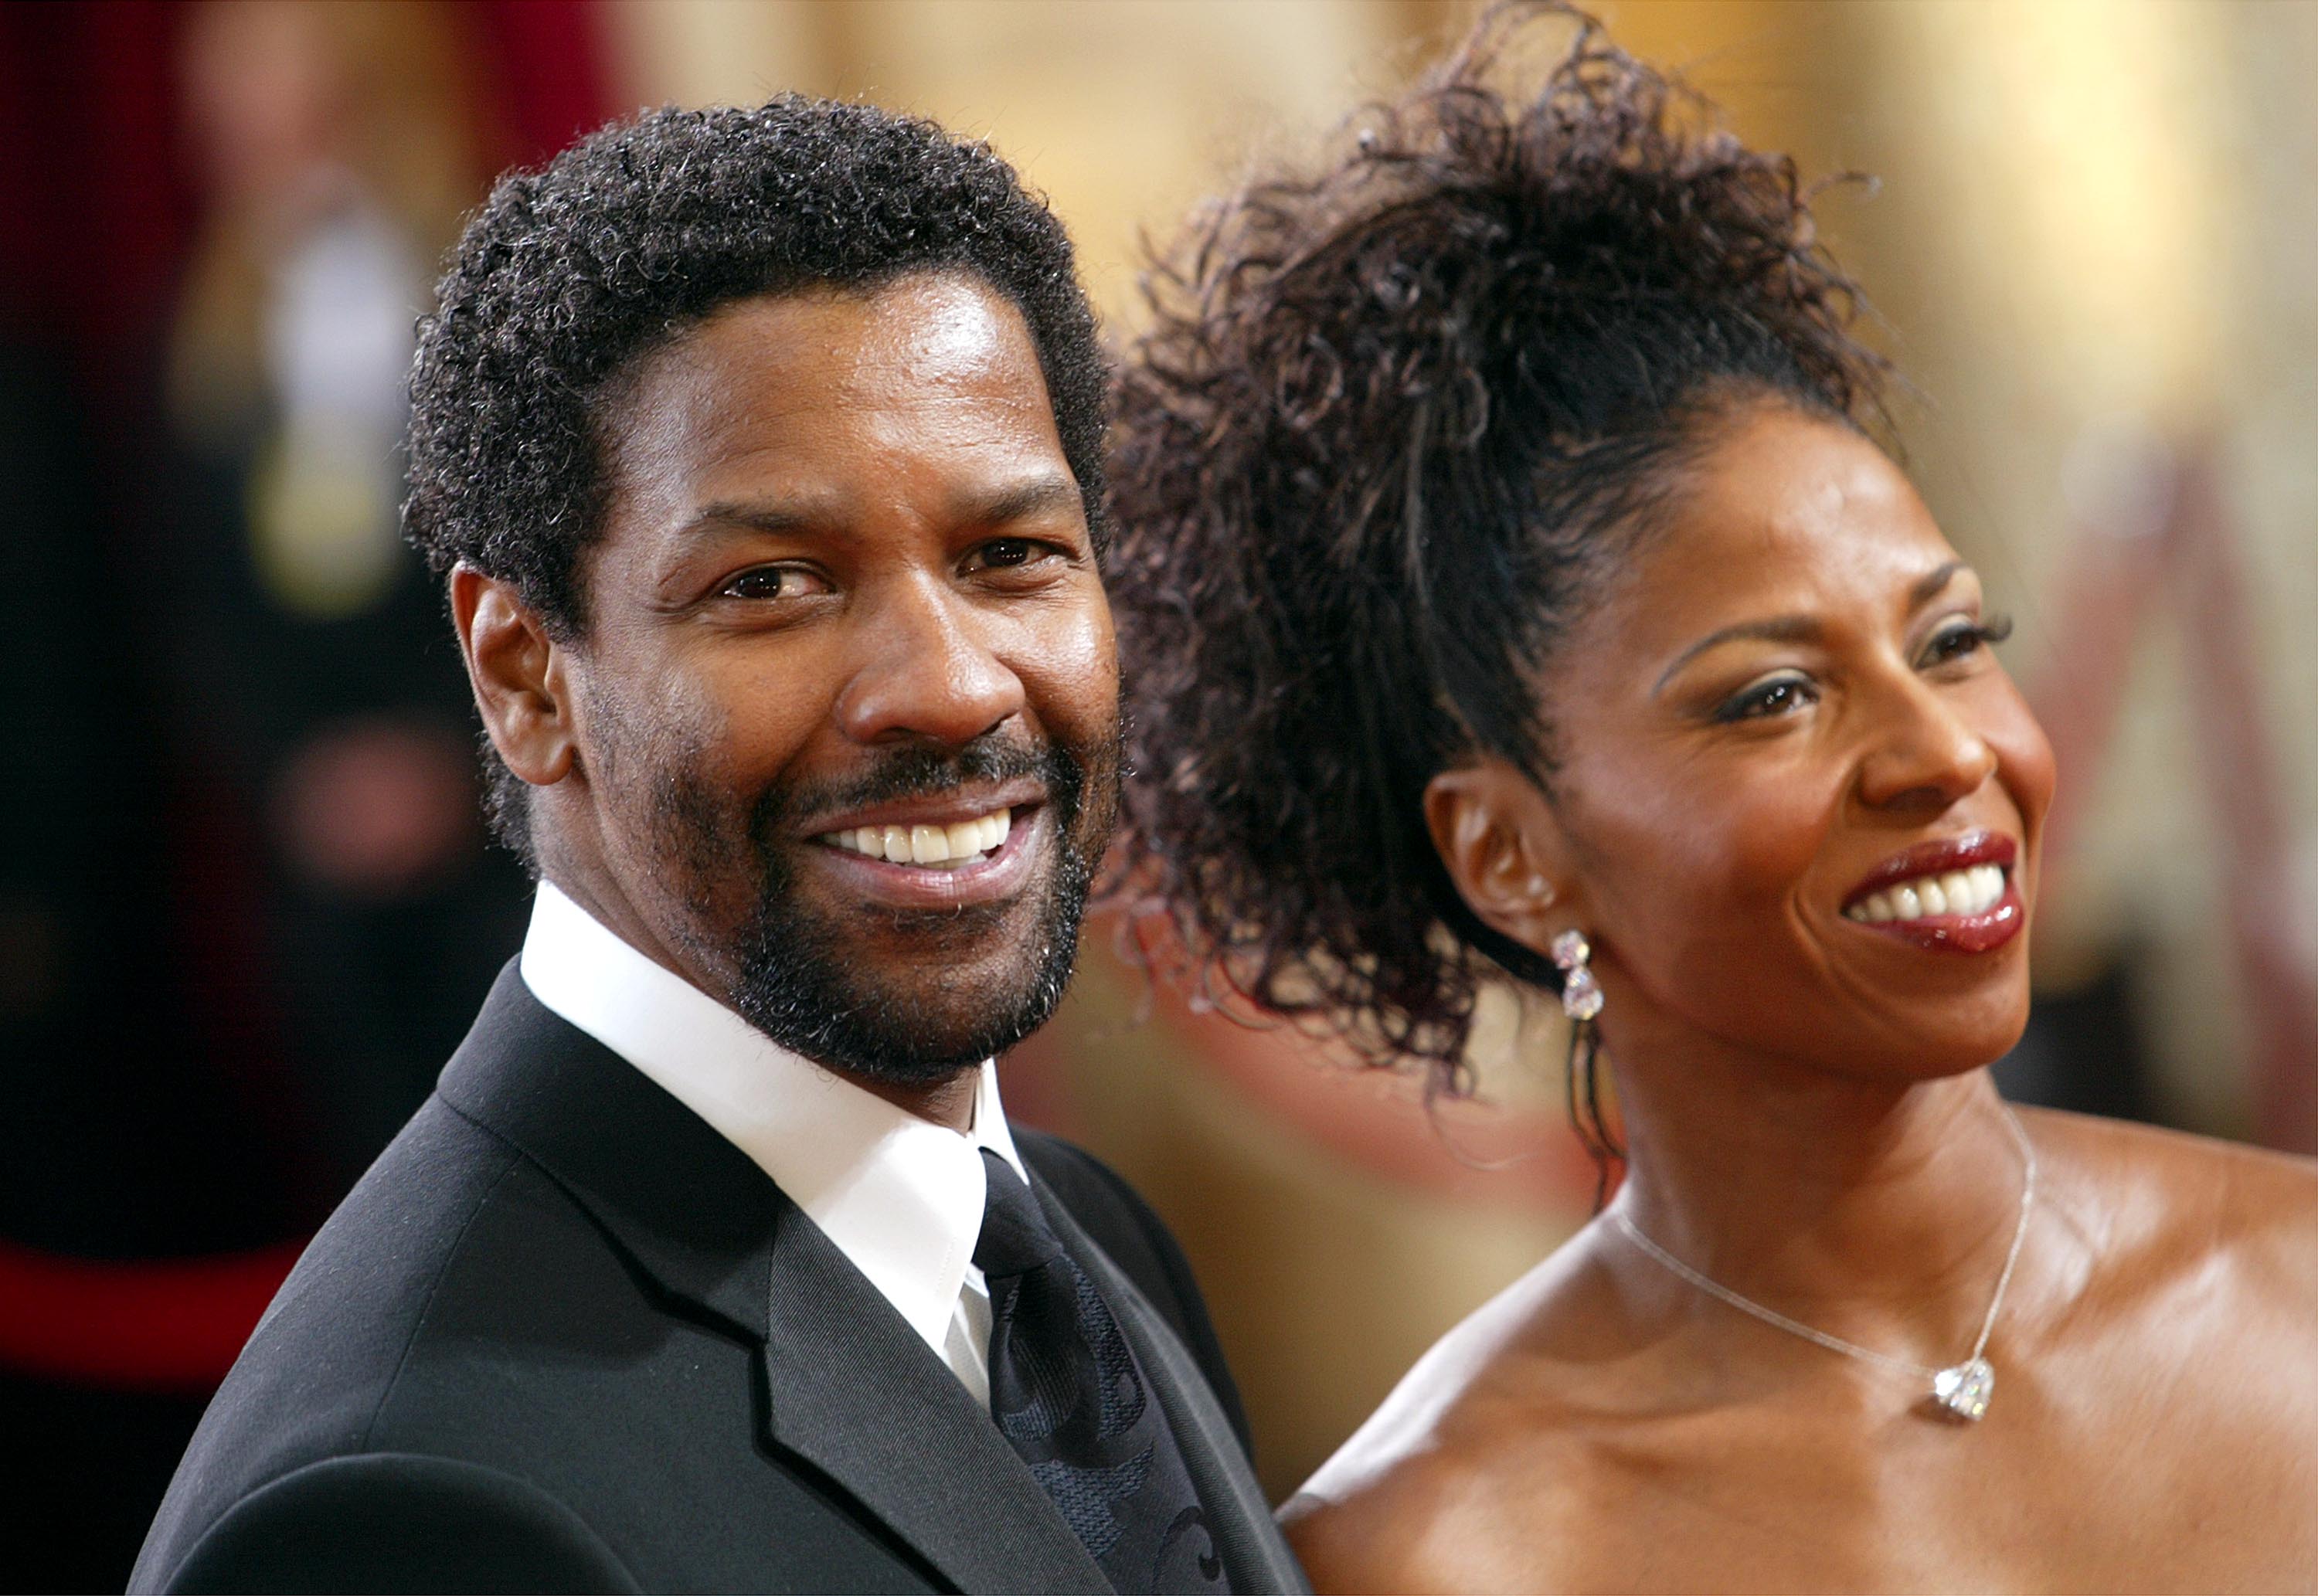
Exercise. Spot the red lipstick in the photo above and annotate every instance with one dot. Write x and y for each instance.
(1982, 931)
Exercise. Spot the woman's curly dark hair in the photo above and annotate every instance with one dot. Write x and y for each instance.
(1392, 422)
(568, 275)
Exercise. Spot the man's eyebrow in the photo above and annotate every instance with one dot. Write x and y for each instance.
(775, 518)
(1015, 502)
(1020, 501)
(1778, 629)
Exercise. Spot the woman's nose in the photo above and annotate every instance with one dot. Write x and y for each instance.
(930, 672)
(1926, 753)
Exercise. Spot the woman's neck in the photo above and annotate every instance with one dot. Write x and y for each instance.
(1874, 1211)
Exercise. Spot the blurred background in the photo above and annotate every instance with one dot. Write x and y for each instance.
(246, 905)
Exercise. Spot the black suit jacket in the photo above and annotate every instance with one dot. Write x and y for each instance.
(565, 1337)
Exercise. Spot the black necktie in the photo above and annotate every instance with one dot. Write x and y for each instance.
(1069, 1395)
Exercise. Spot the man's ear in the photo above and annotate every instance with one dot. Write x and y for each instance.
(517, 674)
(1503, 847)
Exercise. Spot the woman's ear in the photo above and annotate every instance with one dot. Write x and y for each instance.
(1503, 847)
(517, 674)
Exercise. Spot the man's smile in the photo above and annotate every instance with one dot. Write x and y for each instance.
(946, 847)
(940, 852)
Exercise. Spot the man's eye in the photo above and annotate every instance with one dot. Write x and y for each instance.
(1774, 695)
(1963, 637)
(772, 581)
(1005, 554)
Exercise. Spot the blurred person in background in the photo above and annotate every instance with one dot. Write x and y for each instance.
(760, 450)
(1515, 592)
(245, 909)
(335, 149)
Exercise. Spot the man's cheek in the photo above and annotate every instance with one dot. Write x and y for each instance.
(1076, 662)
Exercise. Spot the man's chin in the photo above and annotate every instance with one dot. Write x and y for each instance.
(917, 1076)
(901, 1049)
(911, 996)
(901, 1031)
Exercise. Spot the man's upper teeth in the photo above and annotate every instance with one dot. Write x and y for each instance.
(958, 844)
(1958, 892)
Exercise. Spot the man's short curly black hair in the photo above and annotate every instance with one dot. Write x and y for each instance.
(1395, 421)
(570, 274)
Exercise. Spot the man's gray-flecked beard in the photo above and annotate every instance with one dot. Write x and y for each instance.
(799, 982)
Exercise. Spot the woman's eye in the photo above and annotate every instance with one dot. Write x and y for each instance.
(772, 581)
(1777, 696)
(1964, 637)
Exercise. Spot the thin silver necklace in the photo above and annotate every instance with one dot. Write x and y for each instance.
(1961, 1390)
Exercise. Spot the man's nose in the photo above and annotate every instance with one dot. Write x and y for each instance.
(1927, 753)
(929, 670)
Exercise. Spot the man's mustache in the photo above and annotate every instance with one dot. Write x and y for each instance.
(926, 772)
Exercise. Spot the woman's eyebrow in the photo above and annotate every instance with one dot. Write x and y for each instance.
(1928, 585)
(1778, 629)
(1804, 629)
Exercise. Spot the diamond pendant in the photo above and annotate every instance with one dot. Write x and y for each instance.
(1964, 1391)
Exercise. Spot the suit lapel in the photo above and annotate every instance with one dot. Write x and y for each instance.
(1256, 1559)
(853, 1390)
(855, 1393)
(687, 1206)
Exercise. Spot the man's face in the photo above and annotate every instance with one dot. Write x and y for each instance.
(846, 712)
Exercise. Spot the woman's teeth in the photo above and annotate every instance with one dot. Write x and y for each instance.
(1959, 891)
(952, 847)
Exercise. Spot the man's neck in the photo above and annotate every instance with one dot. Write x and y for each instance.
(594, 891)
(948, 1102)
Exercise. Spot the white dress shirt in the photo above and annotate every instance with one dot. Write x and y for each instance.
(900, 1196)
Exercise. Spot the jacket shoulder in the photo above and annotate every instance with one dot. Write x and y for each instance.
(1140, 1244)
(321, 1369)
(395, 1521)
(338, 1331)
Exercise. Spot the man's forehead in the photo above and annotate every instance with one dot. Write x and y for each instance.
(776, 393)
(926, 329)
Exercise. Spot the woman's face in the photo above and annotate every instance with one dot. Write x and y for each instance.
(1800, 801)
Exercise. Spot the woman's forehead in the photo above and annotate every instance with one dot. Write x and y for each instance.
(1784, 513)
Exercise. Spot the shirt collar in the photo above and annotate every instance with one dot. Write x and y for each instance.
(902, 1197)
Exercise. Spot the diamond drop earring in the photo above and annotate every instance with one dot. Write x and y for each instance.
(1581, 1000)
(1581, 994)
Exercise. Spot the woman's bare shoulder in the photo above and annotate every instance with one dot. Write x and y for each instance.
(2165, 1192)
(1442, 1488)
(1450, 1517)
(1450, 1391)
(1401, 1529)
